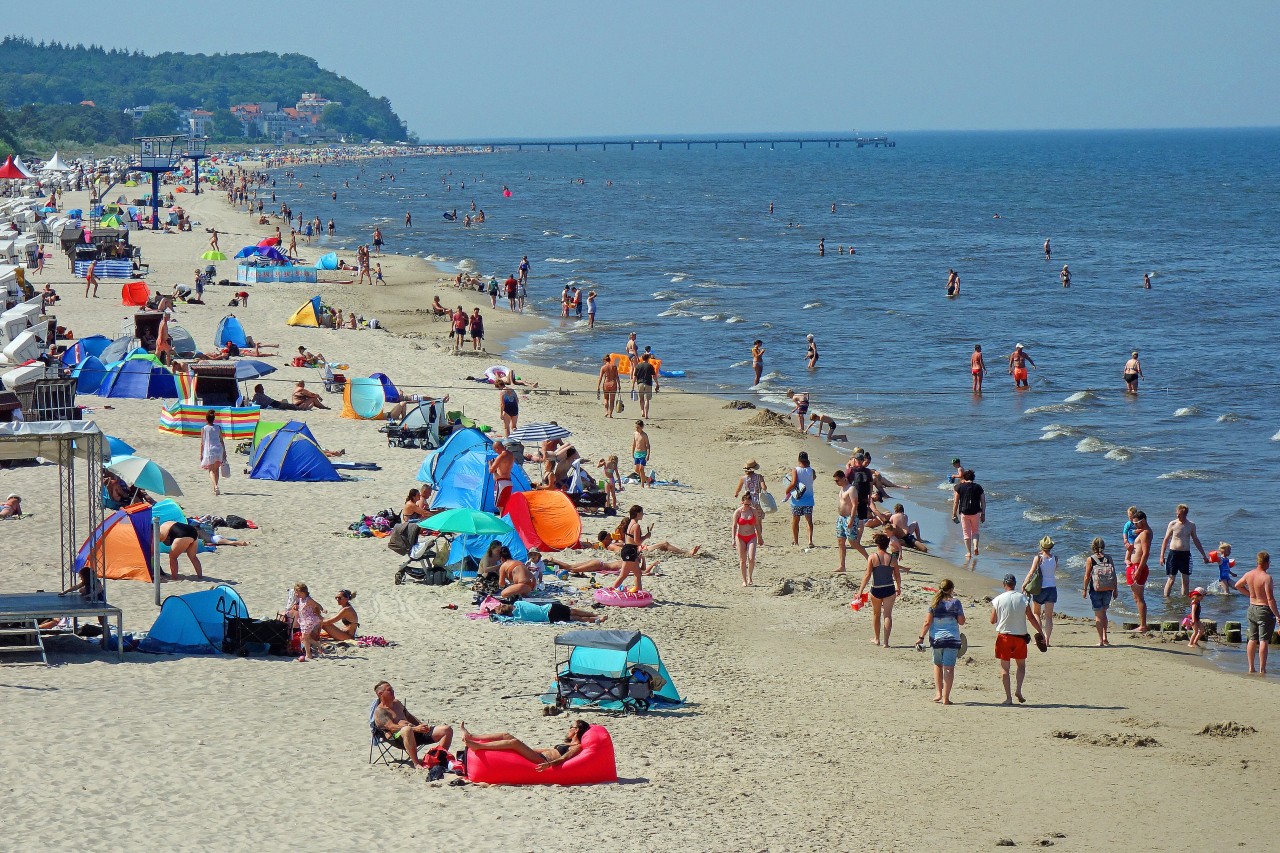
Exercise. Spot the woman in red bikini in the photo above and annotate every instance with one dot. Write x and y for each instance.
(744, 537)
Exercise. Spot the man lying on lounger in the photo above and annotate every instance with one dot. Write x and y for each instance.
(403, 728)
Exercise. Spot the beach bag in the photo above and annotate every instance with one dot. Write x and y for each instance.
(1035, 583)
(226, 469)
(767, 502)
(1104, 573)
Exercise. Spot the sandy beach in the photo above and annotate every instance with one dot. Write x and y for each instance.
(798, 733)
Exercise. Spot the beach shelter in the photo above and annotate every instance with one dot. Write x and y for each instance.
(139, 378)
(168, 510)
(546, 520)
(183, 344)
(124, 541)
(460, 441)
(246, 252)
(362, 399)
(229, 332)
(83, 348)
(195, 623)
(613, 653)
(291, 454)
(135, 293)
(118, 350)
(55, 164)
(389, 389)
(463, 479)
(264, 429)
(89, 374)
(328, 262)
(12, 171)
(308, 314)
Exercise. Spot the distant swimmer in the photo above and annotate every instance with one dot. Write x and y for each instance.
(977, 367)
(1132, 373)
(953, 283)
(408, 219)
(1018, 361)
(757, 359)
(822, 247)
(1065, 275)
(1146, 281)
(833, 208)
(996, 216)
(334, 195)
(812, 355)
(1048, 252)
(771, 208)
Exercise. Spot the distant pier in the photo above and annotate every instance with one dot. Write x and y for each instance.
(688, 143)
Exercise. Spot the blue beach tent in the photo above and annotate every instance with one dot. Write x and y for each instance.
(229, 332)
(389, 389)
(459, 472)
(118, 350)
(89, 374)
(195, 623)
(328, 262)
(460, 441)
(138, 378)
(291, 454)
(613, 653)
(85, 347)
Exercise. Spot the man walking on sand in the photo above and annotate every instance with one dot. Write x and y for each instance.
(1010, 613)
(1262, 612)
(644, 381)
(1136, 570)
(640, 452)
(969, 507)
(848, 529)
(1175, 550)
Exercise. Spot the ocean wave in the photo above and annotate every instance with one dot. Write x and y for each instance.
(711, 318)
(676, 278)
(435, 258)
(676, 312)
(809, 305)
(710, 285)
(746, 363)
(1039, 516)
(667, 294)
(467, 265)
(550, 234)
(1186, 412)
(564, 260)
(1081, 397)
(1109, 450)
(736, 320)
(1228, 418)
(771, 375)
(1058, 431)
(1276, 437)
(1187, 474)
(1057, 408)
(633, 257)
(568, 236)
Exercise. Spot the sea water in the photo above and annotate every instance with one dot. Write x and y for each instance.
(681, 248)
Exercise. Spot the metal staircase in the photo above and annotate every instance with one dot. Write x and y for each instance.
(24, 640)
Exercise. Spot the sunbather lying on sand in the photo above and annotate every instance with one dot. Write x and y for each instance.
(582, 568)
(525, 611)
(12, 506)
(605, 541)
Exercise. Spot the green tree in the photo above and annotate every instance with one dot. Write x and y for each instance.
(225, 126)
(159, 120)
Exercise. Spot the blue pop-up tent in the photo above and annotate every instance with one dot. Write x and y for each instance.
(459, 472)
(195, 623)
(229, 332)
(613, 653)
(85, 347)
(328, 262)
(89, 374)
(139, 378)
(291, 454)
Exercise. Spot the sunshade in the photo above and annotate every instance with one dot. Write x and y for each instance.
(270, 241)
(12, 171)
(142, 473)
(251, 369)
(117, 447)
(536, 433)
(211, 255)
(463, 520)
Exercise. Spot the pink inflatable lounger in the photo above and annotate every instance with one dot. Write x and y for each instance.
(594, 764)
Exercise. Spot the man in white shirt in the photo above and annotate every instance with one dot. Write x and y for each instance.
(1010, 613)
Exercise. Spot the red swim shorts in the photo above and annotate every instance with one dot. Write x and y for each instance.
(1010, 647)
(1135, 574)
(1019, 374)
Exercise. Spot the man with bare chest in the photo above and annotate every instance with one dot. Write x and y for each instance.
(1175, 550)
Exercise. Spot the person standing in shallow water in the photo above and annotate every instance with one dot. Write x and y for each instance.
(1132, 373)
(757, 359)
(1018, 361)
(1048, 252)
(977, 367)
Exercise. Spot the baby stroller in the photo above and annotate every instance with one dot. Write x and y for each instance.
(615, 670)
(425, 557)
(420, 427)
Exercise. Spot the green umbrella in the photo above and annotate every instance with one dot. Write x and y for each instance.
(463, 520)
(211, 255)
(142, 473)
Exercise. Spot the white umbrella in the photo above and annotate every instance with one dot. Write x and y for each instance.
(537, 433)
(142, 473)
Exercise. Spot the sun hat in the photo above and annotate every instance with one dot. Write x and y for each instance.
(1198, 591)
(1046, 543)
(751, 465)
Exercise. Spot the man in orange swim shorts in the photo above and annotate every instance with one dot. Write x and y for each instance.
(1018, 361)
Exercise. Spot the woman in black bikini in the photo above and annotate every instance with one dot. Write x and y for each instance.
(544, 758)
(182, 538)
(886, 586)
(342, 626)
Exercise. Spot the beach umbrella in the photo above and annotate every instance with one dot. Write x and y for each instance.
(142, 473)
(270, 241)
(130, 183)
(538, 433)
(118, 447)
(211, 255)
(247, 252)
(463, 520)
(250, 368)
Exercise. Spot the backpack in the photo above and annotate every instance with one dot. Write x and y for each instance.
(1104, 573)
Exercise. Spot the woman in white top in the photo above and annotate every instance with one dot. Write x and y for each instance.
(213, 453)
(1042, 602)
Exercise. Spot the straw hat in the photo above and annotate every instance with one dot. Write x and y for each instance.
(751, 465)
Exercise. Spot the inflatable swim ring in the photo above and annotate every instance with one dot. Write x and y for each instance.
(623, 598)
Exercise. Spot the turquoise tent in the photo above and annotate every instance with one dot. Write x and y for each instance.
(613, 653)
(291, 454)
(328, 262)
(459, 471)
(195, 623)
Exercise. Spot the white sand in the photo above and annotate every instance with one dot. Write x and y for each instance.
(798, 734)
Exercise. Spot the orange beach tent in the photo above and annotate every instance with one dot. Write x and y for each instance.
(546, 520)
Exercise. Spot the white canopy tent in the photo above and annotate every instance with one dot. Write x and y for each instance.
(55, 164)
(23, 167)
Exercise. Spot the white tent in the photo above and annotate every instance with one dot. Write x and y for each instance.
(55, 164)
(22, 167)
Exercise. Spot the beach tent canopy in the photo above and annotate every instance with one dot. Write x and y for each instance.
(89, 374)
(124, 541)
(389, 389)
(55, 164)
(118, 350)
(362, 399)
(459, 471)
(229, 332)
(613, 653)
(184, 345)
(139, 378)
(546, 520)
(85, 347)
(328, 262)
(460, 441)
(308, 314)
(195, 623)
(247, 252)
(291, 454)
(12, 171)
(135, 294)
(474, 545)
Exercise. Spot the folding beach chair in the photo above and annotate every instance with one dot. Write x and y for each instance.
(382, 749)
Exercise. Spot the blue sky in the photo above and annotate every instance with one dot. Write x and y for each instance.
(507, 68)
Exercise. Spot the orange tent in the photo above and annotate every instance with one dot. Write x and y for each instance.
(124, 540)
(545, 519)
(135, 293)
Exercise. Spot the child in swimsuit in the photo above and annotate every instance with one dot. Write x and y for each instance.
(1225, 575)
